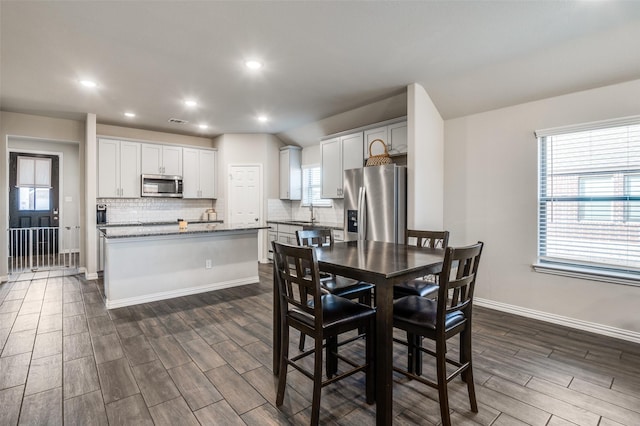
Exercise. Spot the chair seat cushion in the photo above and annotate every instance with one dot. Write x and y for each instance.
(421, 288)
(421, 312)
(345, 287)
(336, 310)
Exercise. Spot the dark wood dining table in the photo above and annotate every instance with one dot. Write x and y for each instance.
(382, 264)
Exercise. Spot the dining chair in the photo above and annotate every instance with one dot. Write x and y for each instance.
(441, 319)
(322, 316)
(334, 284)
(426, 286)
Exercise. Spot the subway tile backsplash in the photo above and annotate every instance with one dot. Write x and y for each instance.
(123, 210)
(291, 210)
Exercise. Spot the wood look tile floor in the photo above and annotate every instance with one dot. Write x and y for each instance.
(206, 359)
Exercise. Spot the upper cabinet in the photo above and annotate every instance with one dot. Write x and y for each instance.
(199, 177)
(161, 159)
(393, 135)
(290, 173)
(118, 169)
(339, 154)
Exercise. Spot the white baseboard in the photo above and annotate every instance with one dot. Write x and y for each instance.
(4, 279)
(87, 275)
(592, 327)
(111, 304)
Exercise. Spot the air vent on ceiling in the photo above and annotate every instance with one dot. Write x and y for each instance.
(177, 121)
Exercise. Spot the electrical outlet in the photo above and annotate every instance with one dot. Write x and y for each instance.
(207, 264)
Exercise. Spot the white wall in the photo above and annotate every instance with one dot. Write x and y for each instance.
(425, 161)
(491, 195)
(249, 149)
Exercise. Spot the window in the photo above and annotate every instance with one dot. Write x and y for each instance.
(312, 187)
(589, 197)
(34, 183)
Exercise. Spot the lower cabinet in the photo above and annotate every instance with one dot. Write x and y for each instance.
(282, 233)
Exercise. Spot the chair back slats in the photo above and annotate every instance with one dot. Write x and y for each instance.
(431, 239)
(298, 279)
(315, 237)
(458, 278)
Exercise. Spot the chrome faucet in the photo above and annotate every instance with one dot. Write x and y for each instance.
(313, 217)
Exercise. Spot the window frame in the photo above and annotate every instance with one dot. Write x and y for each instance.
(627, 271)
(316, 202)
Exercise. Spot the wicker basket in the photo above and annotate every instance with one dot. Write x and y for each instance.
(380, 159)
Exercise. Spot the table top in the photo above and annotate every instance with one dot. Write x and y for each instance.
(385, 260)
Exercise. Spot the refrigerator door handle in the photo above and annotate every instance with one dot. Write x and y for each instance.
(362, 213)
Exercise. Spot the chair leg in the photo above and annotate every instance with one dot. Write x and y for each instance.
(301, 344)
(284, 354)
(441, 373)
(467, 375)
(332, 360)
(370, 360)
(417, 358)
(317, 382)
(410, 352)
(365, 299)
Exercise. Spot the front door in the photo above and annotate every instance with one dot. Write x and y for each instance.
(33, 205)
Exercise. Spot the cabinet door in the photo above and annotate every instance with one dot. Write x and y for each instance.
(108, 168)
(373, 134)
(351, 153)
(151, 159)
(207, 167)
(331, 165)
(191, 176)
(398, 137)
(172, 160)
(130, 169)
(285, 156)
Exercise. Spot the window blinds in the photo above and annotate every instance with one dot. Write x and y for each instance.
(589, 196)
(312, 187)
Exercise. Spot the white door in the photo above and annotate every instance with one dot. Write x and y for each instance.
(245, 198)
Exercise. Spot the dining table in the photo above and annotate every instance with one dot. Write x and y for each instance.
(382, 264)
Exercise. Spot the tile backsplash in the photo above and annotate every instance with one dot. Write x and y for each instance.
(291, 210)
(123, 210)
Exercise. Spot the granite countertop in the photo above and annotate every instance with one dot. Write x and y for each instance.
(146, 230)
(329, 225)
(166, 222)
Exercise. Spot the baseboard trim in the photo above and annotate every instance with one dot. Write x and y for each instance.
(119, 303)
(4, 279)
(87, 275)
(592, 327)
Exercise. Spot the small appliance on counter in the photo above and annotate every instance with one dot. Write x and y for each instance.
(211, 215)
(101, 214)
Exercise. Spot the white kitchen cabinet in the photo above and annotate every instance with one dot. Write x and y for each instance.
(161, 159)
(339, 154)
(393, 135)
(118, 169)
(199, 173)
(282, 233)
(290, 173)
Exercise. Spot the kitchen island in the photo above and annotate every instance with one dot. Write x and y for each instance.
(155, 262)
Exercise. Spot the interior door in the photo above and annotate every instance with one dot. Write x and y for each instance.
(244, 195)
(31, 206)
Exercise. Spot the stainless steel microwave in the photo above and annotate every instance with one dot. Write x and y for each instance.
(161, 186)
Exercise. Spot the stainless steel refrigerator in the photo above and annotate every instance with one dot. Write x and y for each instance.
(375, 203)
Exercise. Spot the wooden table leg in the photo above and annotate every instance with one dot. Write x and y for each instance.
(277, 332)
(384, 353)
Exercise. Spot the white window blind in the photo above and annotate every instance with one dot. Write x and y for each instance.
(312, 187)
(34, 172)
(589, 196)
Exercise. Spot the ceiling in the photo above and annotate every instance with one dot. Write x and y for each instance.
(320, 58)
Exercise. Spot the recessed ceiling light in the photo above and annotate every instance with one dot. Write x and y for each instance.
(203, 126)
(190, 103)
(253, 64)
(129, 114)
(263, 118)
(88, 83)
